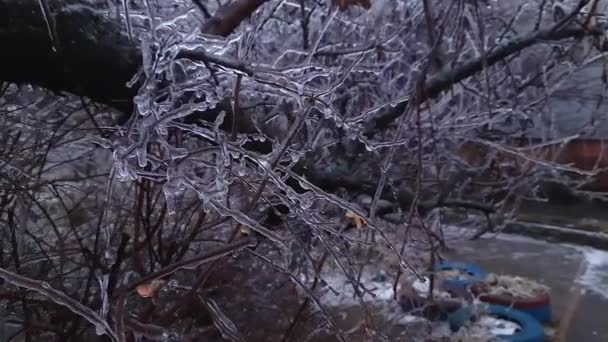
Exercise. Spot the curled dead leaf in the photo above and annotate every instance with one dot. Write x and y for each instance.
(150, 289)
(245, 230)
(359, 221)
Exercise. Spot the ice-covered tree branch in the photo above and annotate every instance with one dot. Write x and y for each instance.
(450, 75)
(93, 56)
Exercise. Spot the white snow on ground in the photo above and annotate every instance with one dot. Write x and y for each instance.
(383, 291)
(595, 277)
(483, 329)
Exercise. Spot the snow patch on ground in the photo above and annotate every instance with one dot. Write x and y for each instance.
(339, 291)
(486, 328)
(595, 277)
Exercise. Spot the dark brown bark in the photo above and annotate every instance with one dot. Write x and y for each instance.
(80, 50)
(450, 75)
(229, 17)
(90, 57)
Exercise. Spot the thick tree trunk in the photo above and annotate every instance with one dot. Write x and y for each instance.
(72, 47)
(76, 49)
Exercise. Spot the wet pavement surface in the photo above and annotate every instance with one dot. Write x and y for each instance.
(578, 277)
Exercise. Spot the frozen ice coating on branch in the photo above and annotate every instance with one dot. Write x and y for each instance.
(172, 189)
(142, 156)
(242, 167)
(285, 122)
(124, 171)
(103, 286)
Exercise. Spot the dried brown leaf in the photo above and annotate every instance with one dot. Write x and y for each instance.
(150, 289)
(359, 221)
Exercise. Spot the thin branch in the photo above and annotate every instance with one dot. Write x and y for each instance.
(195, 262)
(449, 76)
(199, 4)
(60, 298)
(200, 54)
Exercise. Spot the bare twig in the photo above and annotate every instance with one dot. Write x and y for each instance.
(194, 262)
(447, 77)
(60, 298)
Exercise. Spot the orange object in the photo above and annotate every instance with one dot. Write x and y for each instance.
(150, 289)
